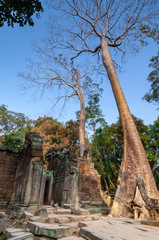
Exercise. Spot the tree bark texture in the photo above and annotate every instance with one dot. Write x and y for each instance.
(150, 202)
(82, 127)
(82, 117)
(134, 160)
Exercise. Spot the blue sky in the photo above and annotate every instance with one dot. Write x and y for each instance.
(16, 46)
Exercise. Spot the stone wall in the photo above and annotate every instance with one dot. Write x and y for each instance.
(64, 166)
(21, 172)
(89, 185)
(9, 159)
(75, 179)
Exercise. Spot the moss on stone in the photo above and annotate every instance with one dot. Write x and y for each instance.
(49, 233)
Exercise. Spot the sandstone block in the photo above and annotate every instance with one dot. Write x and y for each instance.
(49, 230)
(41, 212)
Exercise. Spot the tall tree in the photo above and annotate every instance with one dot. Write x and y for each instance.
(108, 147)
(19, 12)
(97, 25)
(58, 74)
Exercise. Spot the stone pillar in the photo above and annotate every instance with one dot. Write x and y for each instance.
(28, 188)
(36, 181)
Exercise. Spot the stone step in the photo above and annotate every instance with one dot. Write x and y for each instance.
(51, 230)
(72, 238)
(80, 211)
(62, 211)
(17, 234)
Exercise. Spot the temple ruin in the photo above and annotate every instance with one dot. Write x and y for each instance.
(68, 179)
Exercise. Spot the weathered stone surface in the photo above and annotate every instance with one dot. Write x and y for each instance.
(49, 230)
(62, 211)
(72, 238)
(23, 236)
(3, 215)
(12, 232)
(80, 212)
(62, 220)
(27, 216)
(115, 228)
(38, 219)
(150, 223)
(19, 235)
(17, 175)
(41, 212)
(89, 185)
(50, 219)
(74, 218)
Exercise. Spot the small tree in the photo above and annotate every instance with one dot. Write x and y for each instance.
(59, 75)
(53, 132)
(94, 115)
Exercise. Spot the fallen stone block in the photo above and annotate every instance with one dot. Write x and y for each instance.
(80, 211)
(72, 238)
(41, 212)
(38, 219)
(3, 215)
(49, 230)
(27, 216)
(82, 224)
(50, 220)
(21, 236)
(62, 220)
(62, 211)
(76, 218)
(9, 231)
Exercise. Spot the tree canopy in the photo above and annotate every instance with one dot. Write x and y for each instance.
(108, 146)
(19, 12)
(153, 78)
(13, 126)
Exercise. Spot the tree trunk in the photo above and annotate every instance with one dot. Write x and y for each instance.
(82, 117)
(82, 127)
(134, 159)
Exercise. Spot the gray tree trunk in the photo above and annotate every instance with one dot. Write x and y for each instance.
(134, 159)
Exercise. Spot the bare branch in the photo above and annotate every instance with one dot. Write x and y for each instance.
(87, 50)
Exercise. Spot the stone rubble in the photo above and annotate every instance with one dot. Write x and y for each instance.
(66, 224)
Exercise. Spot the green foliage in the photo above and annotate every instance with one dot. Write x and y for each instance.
(72, 134)
(153, 149)
(145, 31)
(106, 153)
(11, 121)
(94, 115)
(153, 78)
(16, 138)
(149, 32)
(19, 12)
(13, 126)
(107, 150)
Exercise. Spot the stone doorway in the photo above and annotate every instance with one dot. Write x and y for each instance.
(46, 188)
(46, 200)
